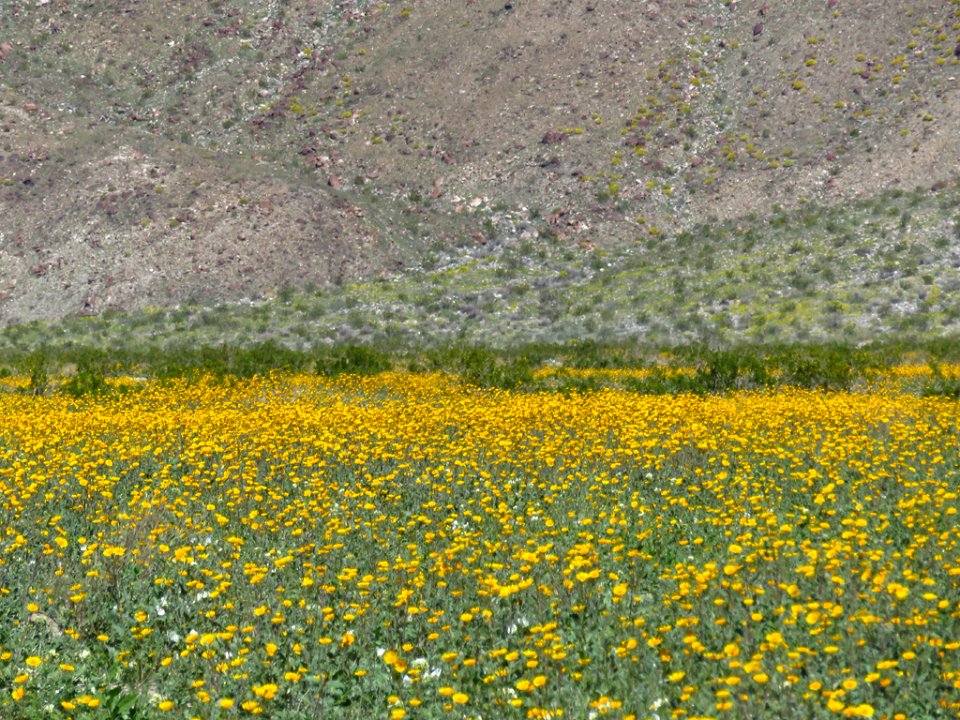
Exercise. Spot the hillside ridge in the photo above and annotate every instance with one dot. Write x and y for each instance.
(158, 155)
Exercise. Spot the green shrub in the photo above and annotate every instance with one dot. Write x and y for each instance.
(482, 366)
(828, 367)
(940, 385)
(353, 359)
(37, 366)
(90, 375)
(731, 370)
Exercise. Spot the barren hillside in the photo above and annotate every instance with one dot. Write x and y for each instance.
(155, 153)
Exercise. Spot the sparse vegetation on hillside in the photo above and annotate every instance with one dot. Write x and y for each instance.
(885, 268)
(158, 154)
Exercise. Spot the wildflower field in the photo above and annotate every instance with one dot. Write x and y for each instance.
(407, 545)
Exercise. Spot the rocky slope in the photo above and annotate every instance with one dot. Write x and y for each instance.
(155, 154)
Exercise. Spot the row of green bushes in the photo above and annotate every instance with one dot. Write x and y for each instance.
(827, 367)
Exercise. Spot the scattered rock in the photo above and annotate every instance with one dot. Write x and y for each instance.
(553, 137)
(39, 618)
(108, 205)
(88, 309)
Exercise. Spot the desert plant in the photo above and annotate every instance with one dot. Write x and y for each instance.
(940, 384)
(354, 360)
(37, 366)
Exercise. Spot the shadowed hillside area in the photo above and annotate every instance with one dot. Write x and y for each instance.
(538, 169)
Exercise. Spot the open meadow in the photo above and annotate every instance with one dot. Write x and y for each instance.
(409, 545)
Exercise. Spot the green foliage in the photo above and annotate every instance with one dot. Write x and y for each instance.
(223, 360)
(262, 358)
(722, 370)
(89, 371)
(940, 384)
(90, 375)
(37, 368)
(353, 359)
(829, 367)
(482, 366)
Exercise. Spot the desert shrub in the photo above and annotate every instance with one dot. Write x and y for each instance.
(354, 360)
(720, 370)
(223, 360)
(939, 384)
(827, 367)
(92, 368)
(37, 366)
(731, 370)
(482, 366)
(263, 358)
(89, 379)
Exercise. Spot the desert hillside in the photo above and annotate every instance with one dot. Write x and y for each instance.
(157, 154)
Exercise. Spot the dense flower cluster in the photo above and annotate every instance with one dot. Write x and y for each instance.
(408, 546)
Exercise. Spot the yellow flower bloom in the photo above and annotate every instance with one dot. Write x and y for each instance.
(390, 657)
(266, 691)
(252, 707)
